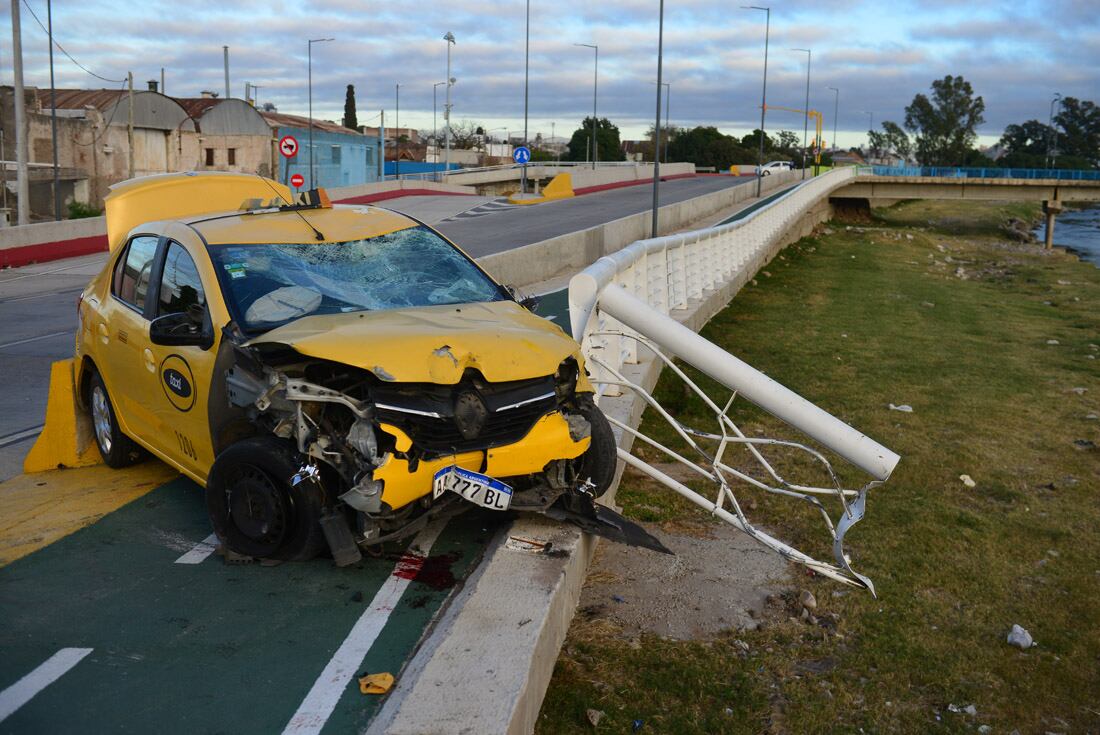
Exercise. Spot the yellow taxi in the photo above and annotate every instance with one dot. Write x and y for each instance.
(334, 376)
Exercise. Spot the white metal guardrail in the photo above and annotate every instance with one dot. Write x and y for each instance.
(619, 310)
(436, 175)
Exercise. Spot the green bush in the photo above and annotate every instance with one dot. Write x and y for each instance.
(80, 210)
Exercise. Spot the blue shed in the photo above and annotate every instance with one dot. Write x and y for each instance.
(341, 157)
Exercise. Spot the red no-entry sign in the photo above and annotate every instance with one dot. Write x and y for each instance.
(297, 180)
(288, 146)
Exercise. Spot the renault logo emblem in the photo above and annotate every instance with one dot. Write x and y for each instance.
(470, 414)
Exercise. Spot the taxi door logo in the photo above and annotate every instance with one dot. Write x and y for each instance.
(178, 382)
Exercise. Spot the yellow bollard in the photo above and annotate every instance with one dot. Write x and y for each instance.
(67, 439)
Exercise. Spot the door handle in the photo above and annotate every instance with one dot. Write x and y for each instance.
(150, 361)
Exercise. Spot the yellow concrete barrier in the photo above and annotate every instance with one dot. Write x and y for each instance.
(560, 187)
(66, 439)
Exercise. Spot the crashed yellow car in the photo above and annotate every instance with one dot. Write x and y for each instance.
(335, 376)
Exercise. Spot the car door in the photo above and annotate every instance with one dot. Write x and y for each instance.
(123, 333)
(183, 372)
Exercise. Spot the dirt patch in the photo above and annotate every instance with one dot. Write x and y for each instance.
(716, 581)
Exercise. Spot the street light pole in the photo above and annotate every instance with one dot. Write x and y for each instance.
(1052, 134)
(53, 119)
(435, 125)
(310, 72)
(763, 94)
(806, 123)
(450, 39)
(595, 85)
(656, 143)
(657, 127)
(397, 131)
(836, 112)
(526, 73)
(870, 128)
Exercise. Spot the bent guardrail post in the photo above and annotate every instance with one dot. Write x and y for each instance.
(775, 398)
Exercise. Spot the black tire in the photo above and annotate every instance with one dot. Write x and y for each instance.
(117, 449)
(598, 463)
(253, 508)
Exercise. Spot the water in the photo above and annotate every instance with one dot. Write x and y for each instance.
(1078, 229)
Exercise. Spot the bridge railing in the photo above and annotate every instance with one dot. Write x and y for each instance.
(456, 172)
(619, 312)
(955, 172)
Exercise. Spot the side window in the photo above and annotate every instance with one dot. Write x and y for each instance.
(132, 278)
(180, 286)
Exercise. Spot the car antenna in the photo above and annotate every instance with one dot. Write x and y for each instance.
(316, 233)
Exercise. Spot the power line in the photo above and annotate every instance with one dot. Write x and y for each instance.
(62, 50)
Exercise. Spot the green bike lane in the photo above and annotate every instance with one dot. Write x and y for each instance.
(212, 647)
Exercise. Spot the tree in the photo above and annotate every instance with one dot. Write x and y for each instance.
(1026, 145)
(945, 125)
(891, 141)
(607, 139)
(349, 109)
(706, 146)
(1080, 134)
(752, 141)
(787, 142)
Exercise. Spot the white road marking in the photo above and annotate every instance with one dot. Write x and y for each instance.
(200, 551)
(34, 339)
(20, 436)
(318, 705)
(52, 669)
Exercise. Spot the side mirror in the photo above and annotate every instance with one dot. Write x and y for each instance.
(182, 330)
(527, 302)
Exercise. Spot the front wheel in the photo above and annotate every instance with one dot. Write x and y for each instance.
(597, 464)
(254, 508)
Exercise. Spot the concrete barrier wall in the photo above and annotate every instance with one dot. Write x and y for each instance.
(44, 241)
(572, 252)
(379, 190)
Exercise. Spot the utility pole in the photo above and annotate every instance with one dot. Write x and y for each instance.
(657, 127)
(595, 86)
(23, 197)
(53, 119)
(225, 63)
(381, 145)
(1052, 135)
(450, 39)
(130, 119)
(309, 73)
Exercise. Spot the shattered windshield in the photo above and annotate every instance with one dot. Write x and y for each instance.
(268, 285)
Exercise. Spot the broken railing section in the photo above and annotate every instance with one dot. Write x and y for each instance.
(615, 326)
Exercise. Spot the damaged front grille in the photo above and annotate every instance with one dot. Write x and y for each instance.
(473, 414)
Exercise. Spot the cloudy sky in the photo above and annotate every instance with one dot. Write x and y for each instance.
(878, 54)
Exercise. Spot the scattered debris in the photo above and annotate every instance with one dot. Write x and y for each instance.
(1053, 342)
(375, 683)
(1079, 391)
(767, 273)
(968, 480)
(807, 600)
(967, 710)
(904, 408)
(1064, 283)
(927, 304)
(908, 236)
(1091, 417)
(636, 725)
(960, 272)
(1084, 443)
(594, 717)
(984, 729)
(1020, 638)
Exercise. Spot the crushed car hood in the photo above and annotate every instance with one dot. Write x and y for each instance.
(433, 344)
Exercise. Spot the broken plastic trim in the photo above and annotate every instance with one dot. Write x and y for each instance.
(713, 467)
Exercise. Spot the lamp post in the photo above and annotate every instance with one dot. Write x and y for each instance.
(526, 73)
(836, 112)
(595, 83)
(310, 67)
(53, 119)
(806, 122)
(657, 127)
(870, 128)
(763, 94)
(397, 131)
(450, 39)
(1052, 134)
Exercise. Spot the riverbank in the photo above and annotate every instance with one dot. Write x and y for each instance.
(994, 345)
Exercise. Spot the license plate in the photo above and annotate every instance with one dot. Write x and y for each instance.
(479, 489)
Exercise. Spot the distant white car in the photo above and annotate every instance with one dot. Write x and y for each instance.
(774, 167)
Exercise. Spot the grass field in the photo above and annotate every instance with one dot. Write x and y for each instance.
(926, 305)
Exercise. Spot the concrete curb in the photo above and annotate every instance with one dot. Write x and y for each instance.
(521, 602)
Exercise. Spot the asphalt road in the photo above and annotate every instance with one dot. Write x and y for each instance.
(516, 226)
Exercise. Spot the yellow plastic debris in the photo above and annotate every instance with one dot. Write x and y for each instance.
(375, 683)
(66, 440)
(560, 187)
